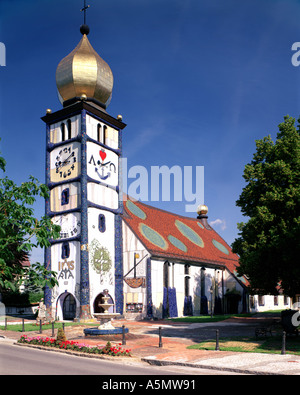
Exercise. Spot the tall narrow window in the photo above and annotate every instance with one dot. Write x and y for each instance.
(69, 123)
(166, 274)
(202, 281)
(101, 223)
(99, 132)
(65, 250)
(261, 300)
(285, 300)
(63, 132)
(104, 134)
(65, 196)
(187, 280)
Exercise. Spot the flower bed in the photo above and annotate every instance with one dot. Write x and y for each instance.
(108, 349)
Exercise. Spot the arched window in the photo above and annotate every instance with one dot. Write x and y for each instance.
(187, 280)
(65, 250)
(65, 196)
(101, 223)
(69, 123)
(63, 131)
(99, 132)
(104, 134)
(166, 274)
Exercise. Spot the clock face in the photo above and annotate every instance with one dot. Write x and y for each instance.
(70, 225)
(64, 162)
(102, 164)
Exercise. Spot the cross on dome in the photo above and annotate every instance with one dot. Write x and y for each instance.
(83, 74)
(85, 7)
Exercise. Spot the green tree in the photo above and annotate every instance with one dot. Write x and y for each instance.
(20, 232)
(268, 244)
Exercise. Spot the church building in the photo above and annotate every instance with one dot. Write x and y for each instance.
(153, 263)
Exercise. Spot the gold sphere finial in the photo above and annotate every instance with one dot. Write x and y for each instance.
(202, 209)
(83, 97)
(48, 111)
(119, 117)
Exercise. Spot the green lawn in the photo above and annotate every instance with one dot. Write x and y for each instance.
(33, 327)
(208, 318)
(271, 344)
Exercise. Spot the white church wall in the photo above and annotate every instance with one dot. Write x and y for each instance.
(101, 253)
(195, 288)
(178, 278)
(157, 287)
(68, 275)
(261, 303)
(103, 196)
(134, 298)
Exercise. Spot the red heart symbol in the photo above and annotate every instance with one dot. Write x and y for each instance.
(102, 155)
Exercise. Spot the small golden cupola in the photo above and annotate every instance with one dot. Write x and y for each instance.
(84, 75)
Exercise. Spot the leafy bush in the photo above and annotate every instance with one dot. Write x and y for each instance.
(21, 299)
(61, 337)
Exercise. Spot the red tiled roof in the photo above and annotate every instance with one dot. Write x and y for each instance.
(171, 236)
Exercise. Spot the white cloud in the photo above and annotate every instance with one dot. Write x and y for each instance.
(219, 222)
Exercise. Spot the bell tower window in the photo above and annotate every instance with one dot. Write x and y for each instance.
(65, 250)
(63, 131)
(65, 196)
(104, 134)
(101, 223)
(69, 124)
(99, 130)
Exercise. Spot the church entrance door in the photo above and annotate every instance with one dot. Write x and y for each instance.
(69, 307)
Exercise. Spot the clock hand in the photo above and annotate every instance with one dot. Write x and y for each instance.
(65, 162)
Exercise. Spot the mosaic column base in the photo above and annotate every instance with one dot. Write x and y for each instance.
(49, 317)
(85, 313)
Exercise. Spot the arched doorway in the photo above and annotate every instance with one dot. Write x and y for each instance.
(69, 307)
(97, 308)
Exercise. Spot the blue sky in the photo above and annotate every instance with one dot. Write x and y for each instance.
(196, 81)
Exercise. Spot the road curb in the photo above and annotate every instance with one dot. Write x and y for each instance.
(157, 362)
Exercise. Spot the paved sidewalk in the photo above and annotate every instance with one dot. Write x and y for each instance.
(143, 340)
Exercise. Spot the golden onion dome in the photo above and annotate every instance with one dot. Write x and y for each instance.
(84, 74)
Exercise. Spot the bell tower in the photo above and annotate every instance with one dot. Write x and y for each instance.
(83, 173)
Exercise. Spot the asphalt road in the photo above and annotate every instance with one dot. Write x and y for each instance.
(16, 360)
